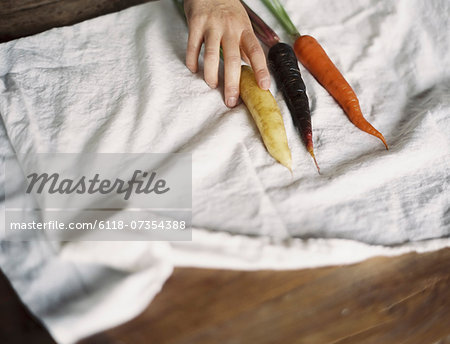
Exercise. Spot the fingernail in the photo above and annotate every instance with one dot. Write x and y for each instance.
(231, 102)
(265, 84)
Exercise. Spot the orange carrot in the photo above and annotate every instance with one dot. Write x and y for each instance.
(316, 61)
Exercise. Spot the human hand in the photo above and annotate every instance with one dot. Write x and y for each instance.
(223, 23)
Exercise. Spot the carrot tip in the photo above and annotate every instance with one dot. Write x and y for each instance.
(310, 150)
(381, 137)
(288, 166)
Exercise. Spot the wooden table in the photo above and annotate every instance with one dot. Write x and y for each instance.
(404, 299)
(382, 300)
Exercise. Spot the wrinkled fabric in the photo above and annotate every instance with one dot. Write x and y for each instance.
(118, 84)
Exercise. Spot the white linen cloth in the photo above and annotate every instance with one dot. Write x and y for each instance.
(118, 83)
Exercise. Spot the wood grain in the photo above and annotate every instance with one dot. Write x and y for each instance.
(20, 18)
(404, 299)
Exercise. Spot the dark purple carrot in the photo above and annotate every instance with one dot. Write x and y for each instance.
(284, 66)
(283, 63)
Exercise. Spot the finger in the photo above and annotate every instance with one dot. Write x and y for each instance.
(212, 57)
(232, 63)
(252, 48)
(245, 57)
(195, 41)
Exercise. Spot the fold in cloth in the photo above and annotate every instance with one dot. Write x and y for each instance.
(118, 83)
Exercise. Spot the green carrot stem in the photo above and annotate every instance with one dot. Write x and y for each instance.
(279, 12)
(262, 30)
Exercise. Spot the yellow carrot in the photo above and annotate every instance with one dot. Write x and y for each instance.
(264, 109)
(267, 116)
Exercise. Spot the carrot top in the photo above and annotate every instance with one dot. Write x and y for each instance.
(279, 12)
